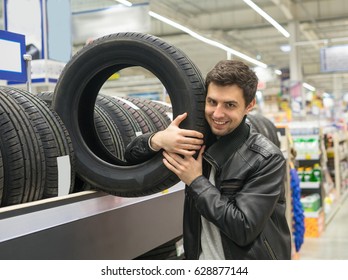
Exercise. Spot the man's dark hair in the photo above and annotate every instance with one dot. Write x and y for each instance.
(234, 72)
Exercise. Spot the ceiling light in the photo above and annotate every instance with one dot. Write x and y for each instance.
(308, 86)
(267, 17)
(206, 40)
(125, 2)
(285, 48)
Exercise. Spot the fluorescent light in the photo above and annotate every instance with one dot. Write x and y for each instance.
(267, 17)
(285, 48)
(206, 40)
(125, 2)
(308, 86)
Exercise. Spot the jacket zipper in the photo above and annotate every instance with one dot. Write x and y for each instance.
(269, 249)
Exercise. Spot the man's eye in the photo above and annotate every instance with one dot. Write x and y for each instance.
(230, 105)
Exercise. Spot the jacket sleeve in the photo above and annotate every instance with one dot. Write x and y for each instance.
(138, 150)
(242, 215)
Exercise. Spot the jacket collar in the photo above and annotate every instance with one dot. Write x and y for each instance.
(222, 149)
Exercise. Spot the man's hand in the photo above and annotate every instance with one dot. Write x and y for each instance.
(187, 168)
(176, 140)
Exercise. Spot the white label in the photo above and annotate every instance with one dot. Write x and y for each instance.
(64, 175)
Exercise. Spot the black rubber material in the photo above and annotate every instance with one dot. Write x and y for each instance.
(159, 121)
(76, 92)
(124, 120)
(146, 124)
(22, 153)
(53, 134)
(106, 128)
(1, 177)
(108, 132)
(162, 110)
(46, 96)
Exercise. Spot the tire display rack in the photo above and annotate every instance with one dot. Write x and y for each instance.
(90, 225)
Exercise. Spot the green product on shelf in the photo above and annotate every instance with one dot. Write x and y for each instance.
(307, 175)
(300, 173)
(316, 173)
(311, 203)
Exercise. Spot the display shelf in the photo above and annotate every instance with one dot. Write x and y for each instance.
(284, 139)
(91, 225)
(311, 156)
(340, 152)
(310, 185)
(313, 214)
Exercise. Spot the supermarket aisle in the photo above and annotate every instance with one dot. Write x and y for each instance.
(333, 243)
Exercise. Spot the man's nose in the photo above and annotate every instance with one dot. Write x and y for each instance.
(219, 112)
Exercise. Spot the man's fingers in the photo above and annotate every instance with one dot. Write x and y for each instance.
(190, 141)
(171, 159)
(179, 119)
(186, 152)
(189, 147)
(191, 133)
(200, 155)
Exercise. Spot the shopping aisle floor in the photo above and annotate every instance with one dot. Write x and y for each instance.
(333, 243)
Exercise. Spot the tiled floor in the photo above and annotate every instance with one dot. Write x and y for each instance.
(333, 243)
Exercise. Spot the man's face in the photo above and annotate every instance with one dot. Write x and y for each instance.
(225, 108)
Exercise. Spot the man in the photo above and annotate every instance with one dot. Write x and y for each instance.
(235, 197)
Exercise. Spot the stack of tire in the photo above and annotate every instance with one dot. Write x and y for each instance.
(32, 138)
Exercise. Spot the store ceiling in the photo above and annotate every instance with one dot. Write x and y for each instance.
(321, 23)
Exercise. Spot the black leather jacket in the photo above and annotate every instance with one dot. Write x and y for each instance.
(247, 202)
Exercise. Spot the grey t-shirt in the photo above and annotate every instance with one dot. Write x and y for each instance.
(210, 237)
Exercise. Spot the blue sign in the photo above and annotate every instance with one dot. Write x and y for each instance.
(334, 59)
(12, 63)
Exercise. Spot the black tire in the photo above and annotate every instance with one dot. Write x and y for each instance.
(22, 153)
(106, 128)
(128, 126)
(1, 177)
(145, 123)
(159, 120)
(76, 92)
(53, 134)
(162, 110)
(166, 106)
(108, 132)
(46, 96)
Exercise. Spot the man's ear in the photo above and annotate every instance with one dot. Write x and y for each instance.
(251, 105)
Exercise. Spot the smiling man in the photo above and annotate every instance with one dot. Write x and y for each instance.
(235, 196)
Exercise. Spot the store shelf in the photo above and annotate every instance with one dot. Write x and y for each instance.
(314, 214)
(340, 149)
(310, 185)
(91, 225)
